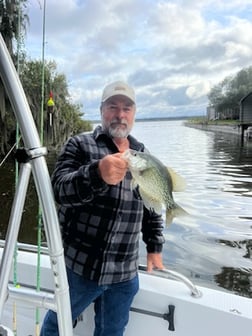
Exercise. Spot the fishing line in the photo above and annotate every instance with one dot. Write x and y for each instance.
(39, 227)
(16, 145)
(10, 151)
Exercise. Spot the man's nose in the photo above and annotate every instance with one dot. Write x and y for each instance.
(120, 111)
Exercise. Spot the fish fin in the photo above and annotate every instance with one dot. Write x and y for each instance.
(177, 211)
(125, 154)
(150, 202)
(178, 182)
(133, 184)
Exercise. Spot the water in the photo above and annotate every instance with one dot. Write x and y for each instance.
(213, 245)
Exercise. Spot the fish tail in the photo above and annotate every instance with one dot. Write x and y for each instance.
(177, 211)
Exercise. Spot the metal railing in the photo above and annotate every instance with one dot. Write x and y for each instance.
(36, 165)
(165, 273)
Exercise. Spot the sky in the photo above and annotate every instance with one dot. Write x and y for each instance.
(171, 52)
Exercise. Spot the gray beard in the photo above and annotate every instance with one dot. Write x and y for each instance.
(118, 133)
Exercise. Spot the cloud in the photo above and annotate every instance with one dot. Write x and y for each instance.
(172, 52)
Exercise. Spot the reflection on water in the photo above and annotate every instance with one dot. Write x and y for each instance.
(213, 245)
(28, 228)
(236, 280)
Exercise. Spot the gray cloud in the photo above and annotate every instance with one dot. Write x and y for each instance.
(173, 52)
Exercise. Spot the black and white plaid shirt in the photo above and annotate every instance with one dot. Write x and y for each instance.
(101, 223)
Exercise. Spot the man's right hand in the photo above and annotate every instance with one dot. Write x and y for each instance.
(112, 168)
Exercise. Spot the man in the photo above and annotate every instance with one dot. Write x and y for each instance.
(102, 217)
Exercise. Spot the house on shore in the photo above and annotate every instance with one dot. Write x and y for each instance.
(246, 114)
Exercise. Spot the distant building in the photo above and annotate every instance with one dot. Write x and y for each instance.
(212, 114)
(246, 110)
(246, 115)
(227, 113)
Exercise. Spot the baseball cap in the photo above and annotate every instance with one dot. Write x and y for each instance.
(118, 88)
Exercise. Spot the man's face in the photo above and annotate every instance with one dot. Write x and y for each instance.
(118, 115)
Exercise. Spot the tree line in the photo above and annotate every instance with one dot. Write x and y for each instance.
(226, 95)
(62, 119)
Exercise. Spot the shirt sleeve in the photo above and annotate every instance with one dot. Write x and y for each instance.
(152, 229)
(76, 178)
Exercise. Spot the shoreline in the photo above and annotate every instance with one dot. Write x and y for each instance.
(233, 129)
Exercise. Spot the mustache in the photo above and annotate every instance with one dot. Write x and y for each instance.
(119, 121)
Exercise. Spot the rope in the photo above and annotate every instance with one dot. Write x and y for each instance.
(15, 272)
(18, 137)
(37, 331)
(14, 316)
(16, 145)
(8, 154)
(38, 281)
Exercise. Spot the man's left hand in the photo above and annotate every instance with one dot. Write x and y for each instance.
(154, 260)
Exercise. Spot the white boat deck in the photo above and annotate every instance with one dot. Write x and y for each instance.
(213, 313)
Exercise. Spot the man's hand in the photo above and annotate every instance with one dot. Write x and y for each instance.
(112, 168)
(154, 260)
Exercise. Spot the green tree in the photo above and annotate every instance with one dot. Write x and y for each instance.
(226, 95)
(66, 117)
(13, 20)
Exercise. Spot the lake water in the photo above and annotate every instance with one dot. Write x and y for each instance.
(213, 244)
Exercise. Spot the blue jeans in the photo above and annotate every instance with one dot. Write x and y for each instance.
(112, 305)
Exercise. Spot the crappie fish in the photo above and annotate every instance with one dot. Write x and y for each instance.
(156, 183)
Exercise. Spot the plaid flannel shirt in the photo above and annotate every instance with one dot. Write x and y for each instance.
(101, 223)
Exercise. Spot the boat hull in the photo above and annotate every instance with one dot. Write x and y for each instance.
(158, 300)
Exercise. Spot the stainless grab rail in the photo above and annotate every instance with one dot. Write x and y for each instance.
(195, 292)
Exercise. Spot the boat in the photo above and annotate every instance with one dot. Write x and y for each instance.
(167, 303)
